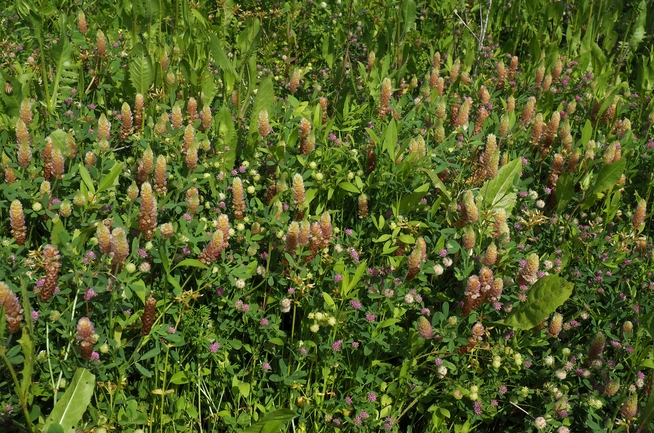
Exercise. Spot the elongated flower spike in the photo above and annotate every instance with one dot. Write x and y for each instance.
(13, 312)
(148, 211)
(17, 222)
(238, 198)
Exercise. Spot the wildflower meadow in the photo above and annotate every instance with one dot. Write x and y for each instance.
(336, 216)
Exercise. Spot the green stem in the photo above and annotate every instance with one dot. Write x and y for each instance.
(21, 397)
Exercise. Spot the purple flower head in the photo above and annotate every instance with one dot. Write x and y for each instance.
(338, 278)
(477, 406)
(95, 356)
(372, 397)
(370, 317)
(89, 294)
(35, 315)
(264, 322)
(265, 366)
(355, 304)
(214, 347)
(355, 345)
(336, 347)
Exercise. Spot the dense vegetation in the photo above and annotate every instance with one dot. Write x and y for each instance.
(326, 216)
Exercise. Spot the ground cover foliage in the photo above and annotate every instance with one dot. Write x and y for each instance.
(337, 216)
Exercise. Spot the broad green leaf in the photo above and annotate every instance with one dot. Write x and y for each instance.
(436, 182)
(357, 275)
(59, 137)
(271, 422)
(544, 297)
(64, 67)
(70, 408)
(86, 177)
(586, 133)
(564, 191)
(408, 16)
(496, 192)
(141, 73)
(607, 178)
(138, 287)
(179, 378)
(111, 178)
(349, 187)
(27, 345)
(190, 262)
(226, 137)
(57, 228)
(328, 300)
(409, 202)
(390, 139)
(386, 323)
(265, 99)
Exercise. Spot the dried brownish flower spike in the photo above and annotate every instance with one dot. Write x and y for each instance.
(292, 237)
(127, 121)
(191, 157)
(46, 154)
(139, 105)
(147, 320)
(415, 258)
(473, 296)
(120, 248)
(105, 240)
(51, 262)
(192, 200)
(213, 249)
(238, 198)
(638, 220)
(13, 311)
(145, 166)
(264, 123)
(86, 337)
(294, 82)
(148, 211)
(363, 206)
(81, 23)
(205, 118)
(17, 221)
(424, 328)
(299, 194)
(385, 97)
(101, 43)
(528, 274)
(192, 110)
(160, 176)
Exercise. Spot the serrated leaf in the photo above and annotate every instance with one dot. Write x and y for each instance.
(70, 408)
(544, 297)
(497, 192)
(141, 73)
